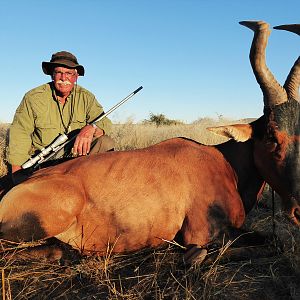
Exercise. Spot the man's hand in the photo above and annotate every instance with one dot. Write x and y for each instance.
(15, 168)
(82, 145)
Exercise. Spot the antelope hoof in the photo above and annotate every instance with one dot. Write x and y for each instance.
(195, 255)
(255, 25)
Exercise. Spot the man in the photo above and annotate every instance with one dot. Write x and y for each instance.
(60, 106)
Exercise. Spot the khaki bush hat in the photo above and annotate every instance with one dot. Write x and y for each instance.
(65, 59)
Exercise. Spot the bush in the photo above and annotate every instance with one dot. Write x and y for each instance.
(160, 119)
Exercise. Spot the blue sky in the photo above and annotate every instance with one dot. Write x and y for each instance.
(190, 56)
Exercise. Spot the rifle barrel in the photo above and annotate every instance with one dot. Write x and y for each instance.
(115, 106)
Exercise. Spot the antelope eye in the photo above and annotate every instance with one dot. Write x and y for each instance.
(272, 143)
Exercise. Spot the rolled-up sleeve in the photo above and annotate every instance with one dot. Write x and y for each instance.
(20, 133)
(95, 110)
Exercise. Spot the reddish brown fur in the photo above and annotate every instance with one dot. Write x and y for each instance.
(130, 199)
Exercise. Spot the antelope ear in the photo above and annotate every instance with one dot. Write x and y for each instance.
(238, 132)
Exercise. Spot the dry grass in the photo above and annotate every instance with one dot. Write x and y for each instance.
(133, 136)
(160, 273)
(3, 135)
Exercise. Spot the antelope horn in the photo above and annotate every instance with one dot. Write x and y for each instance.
(292, 82)
(274, 93)
(291, 27)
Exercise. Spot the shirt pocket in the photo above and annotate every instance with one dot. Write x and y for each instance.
(44, 133)
(78, 123)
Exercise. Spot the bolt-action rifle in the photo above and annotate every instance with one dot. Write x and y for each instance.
(62, 140)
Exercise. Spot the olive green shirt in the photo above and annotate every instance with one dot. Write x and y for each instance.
(38, 121)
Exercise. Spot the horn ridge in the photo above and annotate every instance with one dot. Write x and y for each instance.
(274, 94)
(292, 82)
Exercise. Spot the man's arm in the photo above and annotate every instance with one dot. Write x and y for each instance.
(82, 144)
(94, 110)
(20, 136)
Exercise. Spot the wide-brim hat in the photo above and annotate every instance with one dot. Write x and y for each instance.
(64, 59)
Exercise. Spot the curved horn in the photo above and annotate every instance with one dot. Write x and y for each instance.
(273, 92)
(292, 82)
(291, 27)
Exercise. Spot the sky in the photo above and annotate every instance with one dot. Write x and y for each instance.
(190, 56)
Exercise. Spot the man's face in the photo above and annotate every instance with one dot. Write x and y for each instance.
(64, 80)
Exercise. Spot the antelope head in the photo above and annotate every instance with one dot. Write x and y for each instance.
(276, 135)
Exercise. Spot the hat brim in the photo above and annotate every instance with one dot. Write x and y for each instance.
(49, 66)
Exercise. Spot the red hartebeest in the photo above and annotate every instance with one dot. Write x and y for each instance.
(135, 199)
